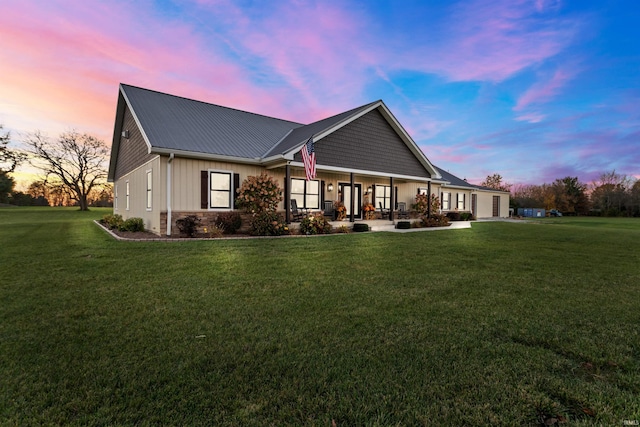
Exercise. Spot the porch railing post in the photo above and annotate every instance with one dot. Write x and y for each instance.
(429, 199)
(287, 194)
(392, 201)
(353, 199)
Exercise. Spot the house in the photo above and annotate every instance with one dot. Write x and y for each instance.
(172, 156)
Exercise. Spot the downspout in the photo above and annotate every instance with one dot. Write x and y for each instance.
(169, 194)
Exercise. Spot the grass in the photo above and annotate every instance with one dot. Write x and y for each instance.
(502, 324)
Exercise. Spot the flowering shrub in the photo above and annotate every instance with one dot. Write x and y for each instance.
(315, 224)
(422, 203)
(259, 194)
(268, 223)
(341, 210)
(436, 220)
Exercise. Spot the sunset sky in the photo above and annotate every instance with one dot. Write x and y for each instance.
(534, 90)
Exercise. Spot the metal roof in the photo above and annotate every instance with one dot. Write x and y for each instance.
(173, 122)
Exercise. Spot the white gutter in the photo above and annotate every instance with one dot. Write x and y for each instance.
(169, 194)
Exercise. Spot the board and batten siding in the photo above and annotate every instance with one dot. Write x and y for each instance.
(485, 204)
(137, 180)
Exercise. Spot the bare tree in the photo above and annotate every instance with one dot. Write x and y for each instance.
(76, 160)
(8, 159)
(495, 181)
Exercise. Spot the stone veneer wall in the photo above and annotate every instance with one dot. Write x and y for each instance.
(206, 219)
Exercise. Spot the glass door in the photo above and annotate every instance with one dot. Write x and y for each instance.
(345, 197)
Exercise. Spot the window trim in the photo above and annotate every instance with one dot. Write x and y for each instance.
(127, 194)
(229, 173)
(386, 199)
(149, 192)
(446, 201)
(461, 198)
(305, 193)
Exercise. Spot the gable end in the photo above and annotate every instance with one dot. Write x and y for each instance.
(368, 143)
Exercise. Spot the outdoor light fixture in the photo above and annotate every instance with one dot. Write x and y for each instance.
(330, 188)
(369, 190)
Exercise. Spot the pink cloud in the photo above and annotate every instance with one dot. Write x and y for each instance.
(493, 40)
(544, 91)
(63, 62)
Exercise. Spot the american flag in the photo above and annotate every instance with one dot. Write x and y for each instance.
(309, 159)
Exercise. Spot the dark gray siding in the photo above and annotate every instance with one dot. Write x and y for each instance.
(133, 151)
(368, 143)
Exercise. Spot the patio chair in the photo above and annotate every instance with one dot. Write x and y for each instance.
(329, 212)
(402, 210)
(384, 213)
(296, 212)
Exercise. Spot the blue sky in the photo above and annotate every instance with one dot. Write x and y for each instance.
(534, 90)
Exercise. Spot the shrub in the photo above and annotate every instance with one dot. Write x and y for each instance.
(228, 222)
(213, 231)
(422, 203)
(188, 225)
(453, 216)
(343, 229)
(403, 225)
(315, 224)
(360, 227)
(436, 220)
(132, 224)
(268, 224)
(467, 216)
(112, 222)
(259, 194)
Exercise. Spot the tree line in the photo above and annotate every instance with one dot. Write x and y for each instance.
(612, 194)
(73, 170)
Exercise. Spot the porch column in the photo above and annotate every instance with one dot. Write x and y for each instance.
(287, 194)
(392, 200)
(429, 199)
(353, 199)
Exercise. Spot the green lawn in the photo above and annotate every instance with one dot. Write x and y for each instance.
(500, 324)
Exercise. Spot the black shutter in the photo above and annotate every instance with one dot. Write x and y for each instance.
(204, 189)
(321, 195)
(236, 185)
(373, 196)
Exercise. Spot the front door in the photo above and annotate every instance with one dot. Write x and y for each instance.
(345, 191)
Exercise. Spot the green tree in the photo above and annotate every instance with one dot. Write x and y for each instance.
(610, 194)
(76, 160)
(570, 195)
(6, 187)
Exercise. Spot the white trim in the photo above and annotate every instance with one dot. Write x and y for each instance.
(135, 117)
(127, 195)
(221, 171)
(321, 168)
(149, 190)
(136, 169)
(205, 156)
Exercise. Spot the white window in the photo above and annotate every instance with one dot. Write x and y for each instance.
(115, 197)
(445, 201)
(305, 193)
(127, 195)
(149, 193)
(382, 196)
(220, 190)
(461, 201)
